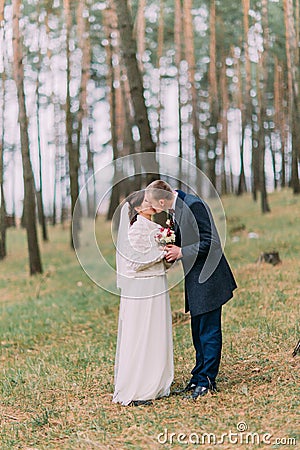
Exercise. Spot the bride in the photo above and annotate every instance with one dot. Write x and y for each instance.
(144, 356)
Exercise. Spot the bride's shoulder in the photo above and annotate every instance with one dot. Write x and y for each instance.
(135, 228)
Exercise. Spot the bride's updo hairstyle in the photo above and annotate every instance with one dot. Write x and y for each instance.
(134, 199)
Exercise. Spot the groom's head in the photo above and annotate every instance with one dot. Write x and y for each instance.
(160, 195)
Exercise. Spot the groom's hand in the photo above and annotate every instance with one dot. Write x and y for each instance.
(173, 252)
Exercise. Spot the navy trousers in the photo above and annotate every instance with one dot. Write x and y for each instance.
(207, 340)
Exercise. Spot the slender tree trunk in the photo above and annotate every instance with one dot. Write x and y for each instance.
(40, 202)
(83, 34)
(29, 189)
(58, 158)
(189, 52)
(56, 168)
(129, 51)
(159, 53)
(224, 122)
(140, 27)
(2, 197)
(91, 195)
(242, 179)
(279, 117)
(262, 101)
(72, 151)
(273, 155)
(292, 58)
(113, 80)
(245, 98)
(128, 141)
(178, 58)
(213, 96)
(115, 193)
(2, 211)
(255, 146)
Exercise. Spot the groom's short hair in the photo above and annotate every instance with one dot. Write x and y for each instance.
(160, 189)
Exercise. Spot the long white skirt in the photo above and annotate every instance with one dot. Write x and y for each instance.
(144, 367)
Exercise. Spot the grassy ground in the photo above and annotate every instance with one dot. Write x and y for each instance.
(58, 336)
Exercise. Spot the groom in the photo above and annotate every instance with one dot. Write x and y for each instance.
(209, 282)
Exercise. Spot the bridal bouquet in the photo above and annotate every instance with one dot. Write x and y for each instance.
(166, 235)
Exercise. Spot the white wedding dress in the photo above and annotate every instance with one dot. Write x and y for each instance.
(144, 357)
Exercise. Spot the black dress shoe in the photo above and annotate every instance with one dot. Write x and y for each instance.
(140, 403)
(199, 391)
(189, 387)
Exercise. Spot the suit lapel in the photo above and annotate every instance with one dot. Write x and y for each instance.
(178, 212)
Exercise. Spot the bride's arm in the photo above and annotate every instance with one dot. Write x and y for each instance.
(143, 252)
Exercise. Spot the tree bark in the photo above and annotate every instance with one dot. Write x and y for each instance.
(140, 33)
(2, 197)
(245, 98)
(72, 151)
(279, 116)
(178, 58)
(189, 51)
(159, 53)
(84, 44)
(29, 189)
(115, 193)
(213, 96)
(129, 51)
(292, 57)
(40, 202)
(262, 104)
(224, 122)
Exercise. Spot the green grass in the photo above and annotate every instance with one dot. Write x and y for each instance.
(58, 338)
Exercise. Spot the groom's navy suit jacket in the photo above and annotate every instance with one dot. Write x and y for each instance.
(209, 282)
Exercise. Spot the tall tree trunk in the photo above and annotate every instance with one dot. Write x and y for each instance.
(129, 147)
(115, 192)
(2, 197)
(189, 51)
(178, 58)
(245, 98)
(58, 158)
(72, 151)
(273, 155)
(83, 34)
(262, 101)
(91, 196)
(240, 104)
(39, 194)
(255, 146)
(140, 27)
(279, 116)
(29, 189)
(292, 57)
(224, 122)
(129, 51)
(40, 200)
(213, 96)
(159, 53)
(56, 171)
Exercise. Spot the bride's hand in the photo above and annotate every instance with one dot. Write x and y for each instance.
(173, 253)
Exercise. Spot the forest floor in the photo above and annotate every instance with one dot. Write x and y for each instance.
(58, 339)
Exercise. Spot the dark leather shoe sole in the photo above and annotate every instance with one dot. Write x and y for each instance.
(140, 403)
(188, 388)
(199, 391)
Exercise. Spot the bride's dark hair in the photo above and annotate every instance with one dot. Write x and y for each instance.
(134, 199)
